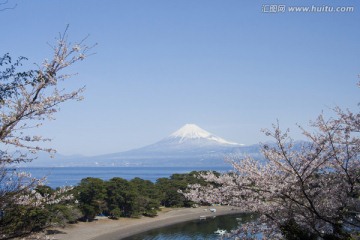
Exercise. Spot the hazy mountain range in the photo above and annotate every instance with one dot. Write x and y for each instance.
(190, 145)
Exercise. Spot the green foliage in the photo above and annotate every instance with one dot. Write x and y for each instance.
(169, 187)
(91, 193)
(118, 197)
(147, 201)
(115, 213)
(115, 198)
(20, 220)
(63, 214)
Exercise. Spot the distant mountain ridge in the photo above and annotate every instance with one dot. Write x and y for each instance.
(188, 145)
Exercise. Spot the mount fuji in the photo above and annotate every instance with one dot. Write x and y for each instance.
(194, 134)
(188, 146)
(190, 138)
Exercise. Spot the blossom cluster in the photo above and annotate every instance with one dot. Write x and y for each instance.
(34, 96)
(313, 184)
(35, 199)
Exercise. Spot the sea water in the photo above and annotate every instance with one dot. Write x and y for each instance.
(196, 229)
(71, 176)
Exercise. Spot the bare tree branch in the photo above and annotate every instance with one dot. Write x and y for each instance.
(7, 8)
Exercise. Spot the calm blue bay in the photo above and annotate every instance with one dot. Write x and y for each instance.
(196, 229)
(71, 176)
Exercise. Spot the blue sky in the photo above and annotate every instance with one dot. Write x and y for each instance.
(159, 64)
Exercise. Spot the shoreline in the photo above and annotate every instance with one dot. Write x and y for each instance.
(105, 228)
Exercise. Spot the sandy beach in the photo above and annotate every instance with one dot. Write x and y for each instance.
(117, 229)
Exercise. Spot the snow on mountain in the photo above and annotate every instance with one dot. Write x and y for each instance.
(189, 141)
(192, 131)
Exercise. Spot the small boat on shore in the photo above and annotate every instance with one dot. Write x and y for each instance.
(220, 232)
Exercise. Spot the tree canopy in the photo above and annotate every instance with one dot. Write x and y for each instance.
(306, 192)
(27, 99)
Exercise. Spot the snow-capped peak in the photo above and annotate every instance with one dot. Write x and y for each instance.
(192, 131)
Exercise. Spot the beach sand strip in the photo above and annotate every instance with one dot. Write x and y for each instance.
(108, 229)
